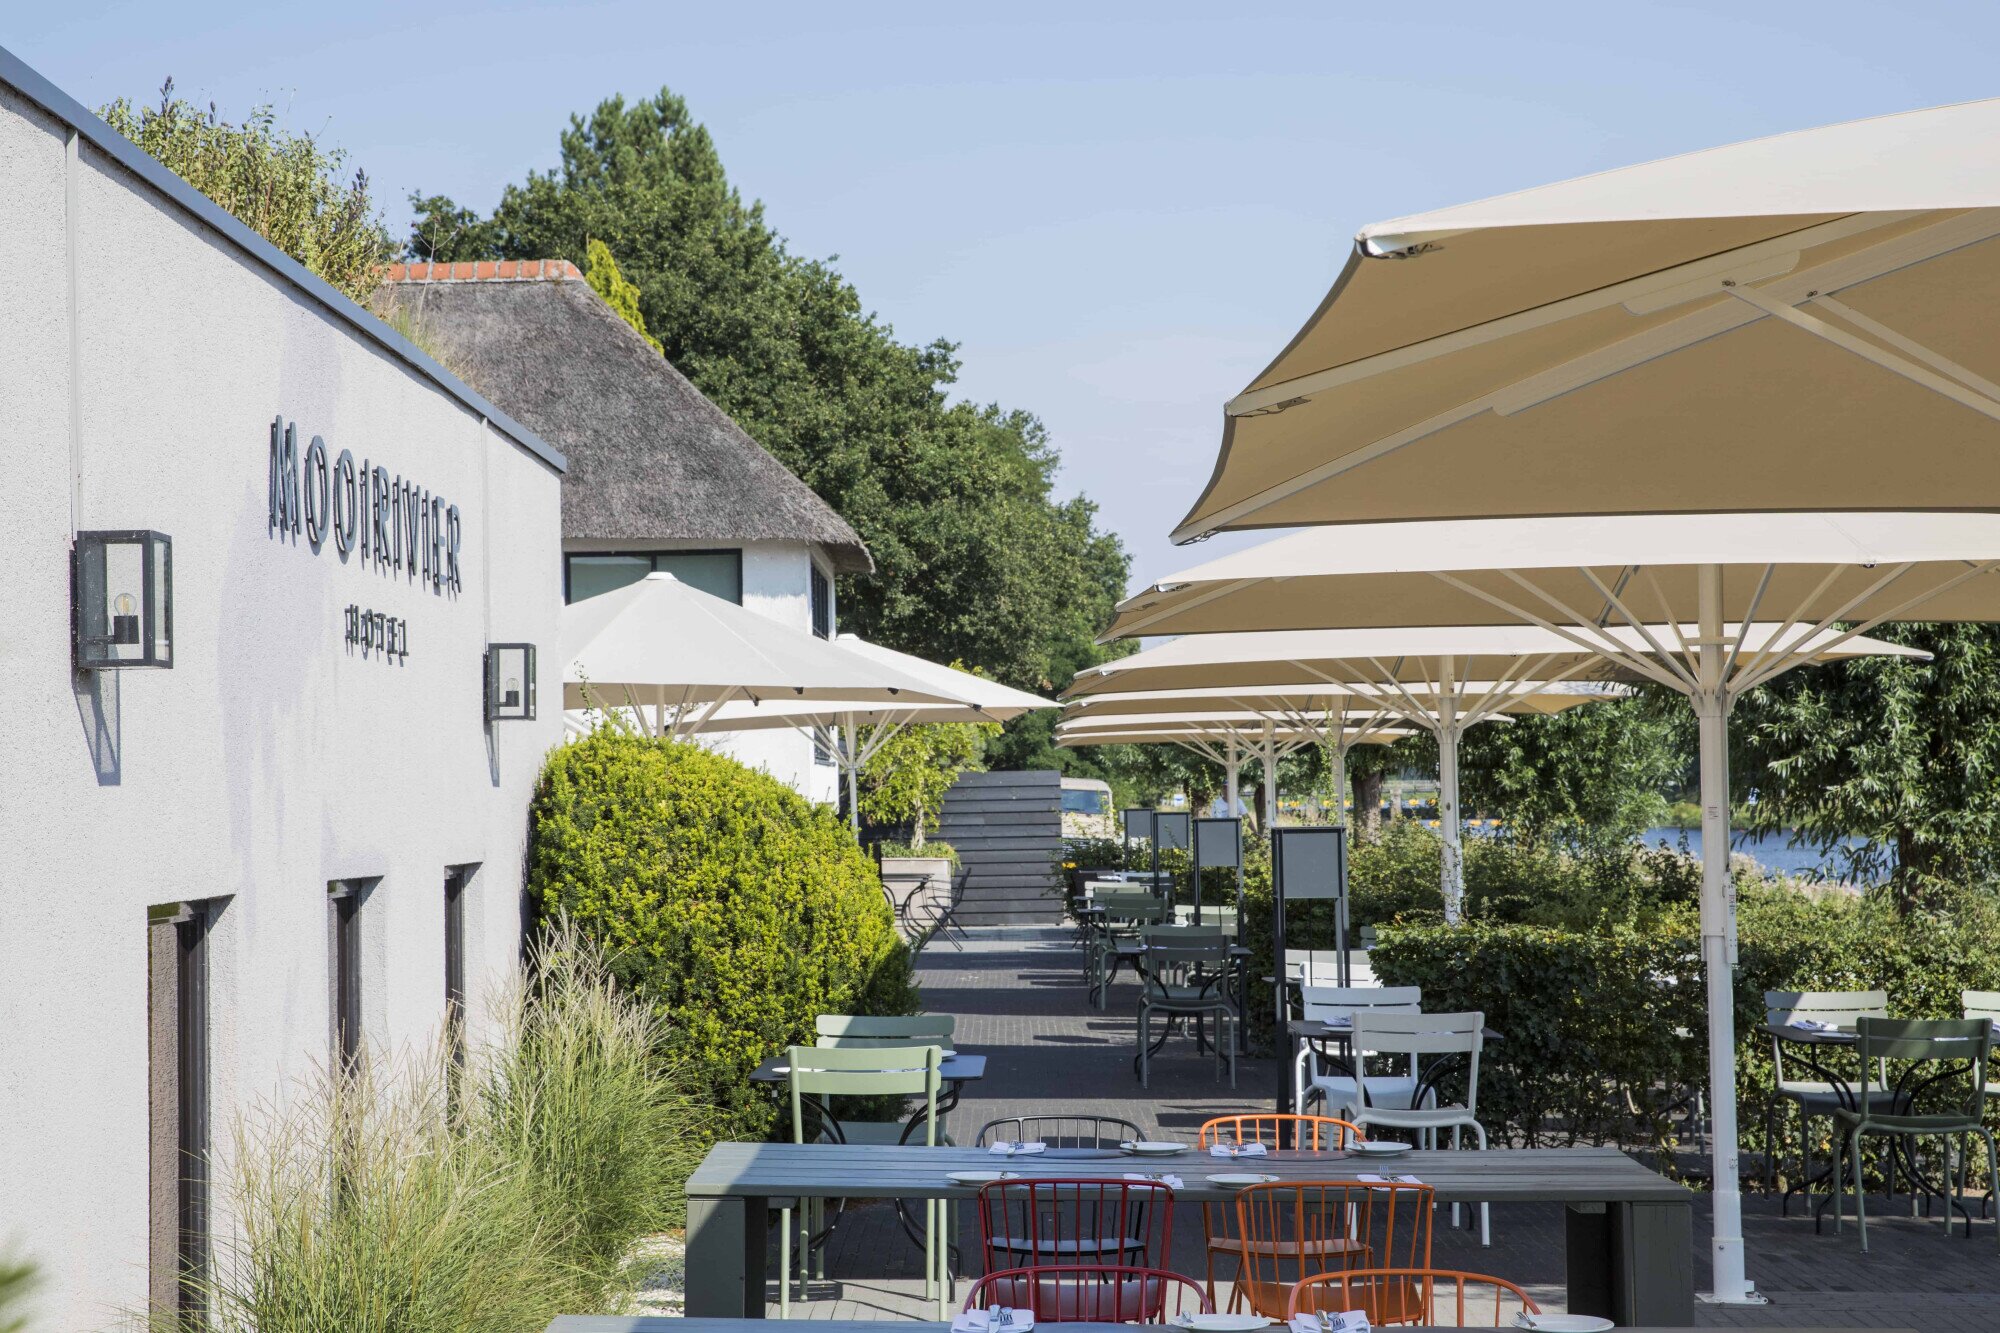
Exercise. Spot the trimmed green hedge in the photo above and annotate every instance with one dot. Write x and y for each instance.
(736, 907)
(1604, 1027)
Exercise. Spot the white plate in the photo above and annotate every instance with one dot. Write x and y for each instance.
(1222, 1323)
(1377, 1147)
(1562, 1323)
(1154, 1148)
(1238, 1178)
(981, 1177)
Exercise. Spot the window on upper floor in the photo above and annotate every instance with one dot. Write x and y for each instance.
(822, 603)
(719, 573)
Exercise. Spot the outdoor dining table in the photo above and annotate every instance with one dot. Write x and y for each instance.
(1812, 1044)
(1628, 1244)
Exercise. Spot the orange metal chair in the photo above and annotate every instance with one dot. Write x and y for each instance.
(1439, 1297)
(1092, 1294)
(1305, 1133)
(1294, 1230)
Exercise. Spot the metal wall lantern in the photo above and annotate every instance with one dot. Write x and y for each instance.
(510, 682)
(121, 600)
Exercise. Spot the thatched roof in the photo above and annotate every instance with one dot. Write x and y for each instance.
(650, 458)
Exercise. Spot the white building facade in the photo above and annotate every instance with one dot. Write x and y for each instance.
(306, 832)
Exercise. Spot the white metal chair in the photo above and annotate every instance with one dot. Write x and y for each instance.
(1332, 1004)
(1421, 1035)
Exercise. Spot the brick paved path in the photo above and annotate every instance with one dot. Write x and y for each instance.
(1019, 998)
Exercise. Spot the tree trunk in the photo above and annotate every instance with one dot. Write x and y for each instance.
(917, 830)
(1368, 802)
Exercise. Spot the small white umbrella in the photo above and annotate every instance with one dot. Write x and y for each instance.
(1231, 731)
(660, 642)
(973, 699)
(1442, 703)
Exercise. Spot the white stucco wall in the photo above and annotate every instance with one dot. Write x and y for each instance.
(269, 760)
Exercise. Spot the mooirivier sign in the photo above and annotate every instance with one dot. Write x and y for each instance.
(391, 521)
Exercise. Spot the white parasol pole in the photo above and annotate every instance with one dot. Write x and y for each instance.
(1718, 938)
(853, 767)
(1449, 729)
(1233, 770)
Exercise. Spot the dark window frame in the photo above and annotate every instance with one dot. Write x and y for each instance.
(652, 557)
(344, 901)
(457, 879)
(819, 594)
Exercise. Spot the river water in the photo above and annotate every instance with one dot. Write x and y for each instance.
(1771, 850)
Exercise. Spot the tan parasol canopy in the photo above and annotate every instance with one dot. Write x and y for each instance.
(1795, 323)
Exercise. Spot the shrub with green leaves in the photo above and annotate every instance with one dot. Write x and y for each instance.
(738, 909)
(288, 188)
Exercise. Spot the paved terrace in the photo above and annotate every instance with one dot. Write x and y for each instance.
(1019, 998)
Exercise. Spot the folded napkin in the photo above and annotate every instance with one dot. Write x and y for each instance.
(1810, 1025)
(1172, 1182)
(1371, 1179)
(1237, 1150)
(1347, 1321)
(987, 1321)
(1007, 1149)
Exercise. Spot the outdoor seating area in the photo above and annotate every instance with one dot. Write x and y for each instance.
(1041, 1193)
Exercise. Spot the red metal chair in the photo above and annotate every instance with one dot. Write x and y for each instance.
(1092, 1294)
(1292, 1231)
(1031, 1223)
(1439, 1297)
(1304, 1133)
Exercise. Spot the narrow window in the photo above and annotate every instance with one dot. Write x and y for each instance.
(177, 1009)
(344, 945)
(822, 604)
(455, 881)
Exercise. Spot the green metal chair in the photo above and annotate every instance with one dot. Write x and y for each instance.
(1126, 913)
(1813, 1097)
(1937, 1054)
(1185, 970)
(867, 1071)
(1985, 1004)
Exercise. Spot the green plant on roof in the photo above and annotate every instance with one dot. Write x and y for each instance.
(600, 270)
(286, 187)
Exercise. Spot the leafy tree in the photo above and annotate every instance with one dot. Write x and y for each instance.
(285, 186)
(904, 781)
(977, 558)
(1593, 776)
(601, 272)
(1903, 752)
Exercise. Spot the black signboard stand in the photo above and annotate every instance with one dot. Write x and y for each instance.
(1307, 864)
(1218, 843)
(1170, 834)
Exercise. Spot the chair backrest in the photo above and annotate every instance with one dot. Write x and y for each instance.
(1439, 1297)
(1081, 1220)
(861, 1071)
(1306, 1133)
(1413, 1034)
(1330, 1002)
(1838, 1007)
(1952, 1048)
(1292, 1230)
(1127, 907)
(1981, 1004)
(870, 1030)
(1060, 1131)
(1092, 1294)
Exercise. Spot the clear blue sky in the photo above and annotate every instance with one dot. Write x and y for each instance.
(1121, 212)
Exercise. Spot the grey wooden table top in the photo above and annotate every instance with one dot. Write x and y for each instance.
(655, 1323)
(865, 1171)
(958, 1067)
